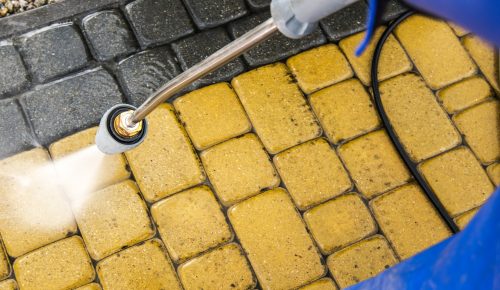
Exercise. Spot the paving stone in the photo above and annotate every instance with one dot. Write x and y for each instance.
(112, 219)
(361, 261)
(143, 73)
(191, 50)
(319, 67)
(278, 111)
(91, 286)
(346, 21)
(275, 48)
(62, 265)
(239, 168)
(9, 284)
(484, 56)
(4, 264)
(373, 163)
(165, 163)
(34, 219)
(212, 13)
(190, 222)
(16, 135)
(59, 109)
(393, 59)
(222, 268)
(340, 222)
(464, 219)
(435, 50)
(145, 266)
(211, 115)
(481, 128)
(464, 94)
(494, 173)
(276, 241)
(259, 4)
(321, 284)
(76, 157)
(345, 111)
(408, 220)
(458, 180)
(312, 173)
(53, 51)
(12, 66)
(394, 9)
(421, 124)
(157, 22)
(108, 35)
(459, 30)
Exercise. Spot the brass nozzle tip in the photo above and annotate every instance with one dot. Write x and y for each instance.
(122, 127)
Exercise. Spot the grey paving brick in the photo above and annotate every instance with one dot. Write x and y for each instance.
(13, 76)
(212, 13)
(108, 35)
(259, 4)
(15, 133)
(53, 51)
(345, 22)
(158, 21)
(63, 107)
(141, 74)
(275, 48)
(393, 10)
(195, 48)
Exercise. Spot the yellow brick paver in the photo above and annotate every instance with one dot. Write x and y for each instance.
(165, 163)
(321, 284)
(494, 173)
(361, 261)
(34, 210)
(223, 268)
(481, 127)
(278, 111)
(9, 284)
(435, 50)
(464, 219)
(345, 110)
(374, 163)
(190, 222)
(145, 266)
(408, 220)
(113, 218)
(91, 286)
(459, 30)
(319, 67)
(312, 173)
(458, 180)
(340, 222)
(464, 94)
(275, 239)
(419, 121)
(211, 115)
(239, 168)
(62, 265)
(393, 59)
(484, 55)
(4, 263)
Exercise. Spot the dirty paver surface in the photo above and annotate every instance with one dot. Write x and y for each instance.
(272, 173)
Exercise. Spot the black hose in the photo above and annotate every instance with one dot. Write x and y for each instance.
(392, 135)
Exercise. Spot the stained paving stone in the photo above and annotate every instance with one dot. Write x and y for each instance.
(464, 94)
(16, 135)
(275, 48)
(13, 67)
(393, 10)
(463, 220)
(494, 173)
(346, 21)
(61, 265)
(91, 286)
(157, 22)
(53, 51)
(108, 35)
(259, 4)
(193, 49)
(321, 284)
(9, 284)
(484, 56)
(212, 13)
(361, 261)
(60, 108)
(141, 74)
(4, 263)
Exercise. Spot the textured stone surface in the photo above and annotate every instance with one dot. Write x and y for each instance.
(12, 66)
(494, 173)
(211, 13)
(346, 21)
(9, 284)
(259, 4)
(4, 263)
(394, 9)
(321, 284)
(484, 55)
(463, 219)
(464, 94)
(61, 108)
(16, 135)
(108, 35)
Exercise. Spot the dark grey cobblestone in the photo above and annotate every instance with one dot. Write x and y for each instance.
(275, 48)
(393, 10)
(345, 22)
(158, 21)
(207, 43)
(108, 35)
(16, 135)
(13, 76)
(212, 13)
(141, 74)
(66, 106)
(53, 51)
(259, 4)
